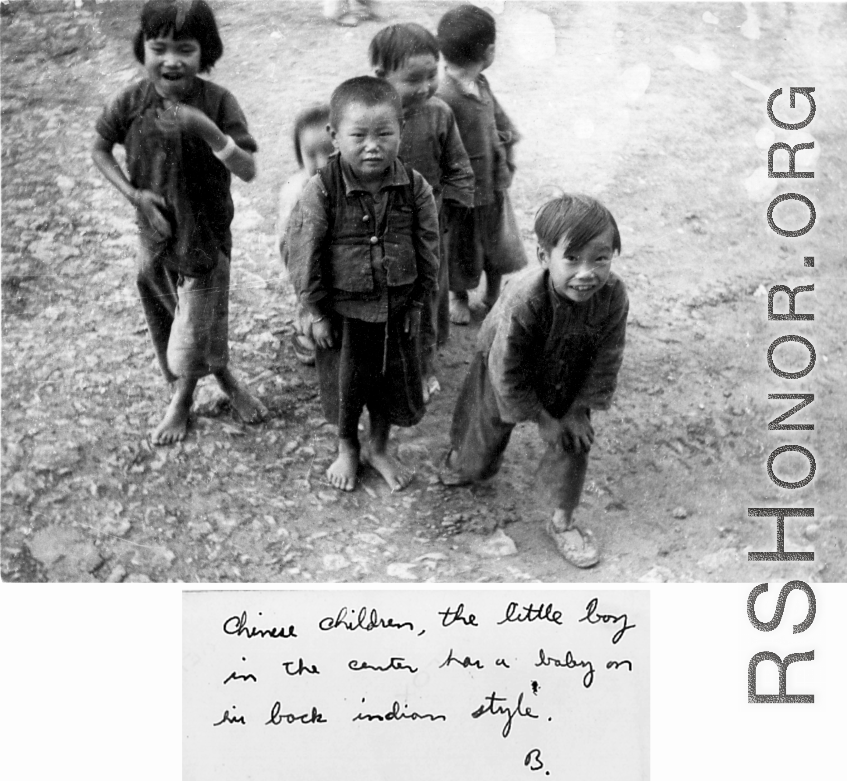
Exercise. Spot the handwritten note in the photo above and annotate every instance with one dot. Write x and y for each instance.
(415, 685)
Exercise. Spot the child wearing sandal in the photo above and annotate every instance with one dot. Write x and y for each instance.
(406, 56)
(183, 136)
(549, 352)
(485, 238)
(364, 257)
(312, 148)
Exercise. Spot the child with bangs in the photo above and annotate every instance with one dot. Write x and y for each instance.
(312, 148)
(406, 56)
(184, 136)
(549, 351)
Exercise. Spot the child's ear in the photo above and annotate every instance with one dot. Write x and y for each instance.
(543, 257)
(379, 73)
(331, 130)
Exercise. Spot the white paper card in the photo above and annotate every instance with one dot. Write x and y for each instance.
(416, 685)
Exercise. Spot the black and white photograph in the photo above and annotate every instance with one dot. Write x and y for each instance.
(184, 394)
(370, 308)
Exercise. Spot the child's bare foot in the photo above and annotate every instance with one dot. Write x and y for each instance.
(246, 406)
(493, 283)
(395, 473)
(460, 312)
(450, 475)
(175, 423)
(341, 473)
(429, 387)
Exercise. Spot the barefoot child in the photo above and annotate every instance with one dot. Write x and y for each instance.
(183, 136)
(406, 56)
(364, 257)
(312, 148)
(549, 352)
(487, 238)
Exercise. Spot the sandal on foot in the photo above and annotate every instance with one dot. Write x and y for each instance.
(582, 552)
(301, 352)
(450, 477)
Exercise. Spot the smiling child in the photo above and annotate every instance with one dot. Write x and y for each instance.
(183, 136)
(548, 352)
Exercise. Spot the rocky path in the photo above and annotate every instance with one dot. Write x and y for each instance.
(674, 147)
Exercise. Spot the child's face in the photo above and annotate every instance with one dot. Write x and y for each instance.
(415, 80)
(488, 57)
(315, 147)
(368, 138)
(579, 275)
(172, 65)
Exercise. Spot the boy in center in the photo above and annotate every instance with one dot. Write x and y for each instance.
(364, 259)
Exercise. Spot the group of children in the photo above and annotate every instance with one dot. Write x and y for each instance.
(400, 204)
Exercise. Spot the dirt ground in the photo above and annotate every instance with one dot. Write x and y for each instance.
(657, 109)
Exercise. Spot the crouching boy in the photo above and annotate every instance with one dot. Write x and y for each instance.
(549, 352)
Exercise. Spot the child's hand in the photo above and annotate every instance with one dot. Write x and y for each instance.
(150, 205)
(192, 122)
(577, 430)
(322, 333)
(412, 322)
(549, 428)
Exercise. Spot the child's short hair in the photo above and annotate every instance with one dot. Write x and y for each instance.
(317, 115)
(367, 90)
(464, 33)
(580, 218)
(393, 45)
(185, 19)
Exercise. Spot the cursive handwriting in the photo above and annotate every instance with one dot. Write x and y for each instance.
(593, 617)
(314, 717)
(451, 615)
(569, 662)
(237, 625)
(395, 714)
(366, 619)
(396, 663)
(466, 662)
(301, 668)
(227, 719)
(494, 709)
(544, 612)
(234, 676)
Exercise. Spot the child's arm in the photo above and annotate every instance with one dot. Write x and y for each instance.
(457, 175)
(308, 229)
(512, 367)
(602, 376)
(146, 201)
(600, 382)
(194, 122)
(425, 238)
(508, 133)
